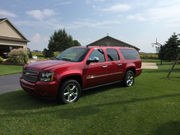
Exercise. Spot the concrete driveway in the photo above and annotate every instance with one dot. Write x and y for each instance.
(9, 83)
(148, 65)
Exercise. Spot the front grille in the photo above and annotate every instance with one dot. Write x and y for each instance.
(30, 75)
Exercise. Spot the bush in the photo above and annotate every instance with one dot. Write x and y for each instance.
(56, 54)
(18, 56)
(1, 59)
(48, 53)
(29, 53)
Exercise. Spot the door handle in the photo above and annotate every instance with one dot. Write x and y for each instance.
(119, 64)
(105, 66)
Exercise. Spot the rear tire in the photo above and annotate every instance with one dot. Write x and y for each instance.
(128, 80)
(69, 92)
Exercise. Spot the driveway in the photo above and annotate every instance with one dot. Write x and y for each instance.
(9, 83)
(148, 65)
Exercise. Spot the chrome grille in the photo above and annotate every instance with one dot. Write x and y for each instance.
(30, 75)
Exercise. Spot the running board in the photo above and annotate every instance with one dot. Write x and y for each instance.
(101, 85)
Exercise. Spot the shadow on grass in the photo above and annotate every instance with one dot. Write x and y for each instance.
(101, 89)
(160, 71)
(170, 128)
(19, 100)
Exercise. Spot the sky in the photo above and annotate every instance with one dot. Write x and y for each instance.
(137, 22)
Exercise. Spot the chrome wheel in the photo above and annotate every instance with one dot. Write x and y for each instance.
(130, 79)
(71, 92)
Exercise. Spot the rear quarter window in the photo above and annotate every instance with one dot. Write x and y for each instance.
(112, 54)
(130, 54)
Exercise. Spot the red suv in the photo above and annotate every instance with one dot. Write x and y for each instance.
(80, 68)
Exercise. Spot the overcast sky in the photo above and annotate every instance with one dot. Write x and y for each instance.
(137, 22)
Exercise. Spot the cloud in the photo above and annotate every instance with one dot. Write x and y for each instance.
(91, 23)
(165, 12)
(38, 42)
(6, 13)
(36, 38)
(93, 1)
(99, 0)
(138, 17)
(118, 8)
(40, 15)
(61, 3)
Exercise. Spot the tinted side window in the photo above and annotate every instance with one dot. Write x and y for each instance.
(98, 53)
(112, 54)
(129, 54)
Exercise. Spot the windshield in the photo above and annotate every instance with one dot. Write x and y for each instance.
(73, 54)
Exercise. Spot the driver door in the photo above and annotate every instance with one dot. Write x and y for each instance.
(95, 71)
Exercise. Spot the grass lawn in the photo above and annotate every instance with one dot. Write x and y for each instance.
(150, 107)
(9, 69)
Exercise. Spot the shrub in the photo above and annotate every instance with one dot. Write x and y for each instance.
(18, 56)
(56, 54)
(29, 53)
(1, 59)
(48, 53)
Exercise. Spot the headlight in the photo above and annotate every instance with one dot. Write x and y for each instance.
(47, 76)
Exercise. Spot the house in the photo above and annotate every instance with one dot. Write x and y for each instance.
(110, 41)
(10, 36)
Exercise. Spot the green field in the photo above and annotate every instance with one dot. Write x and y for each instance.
(150, 107)
(9, 69)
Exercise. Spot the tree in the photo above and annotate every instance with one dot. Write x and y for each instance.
(48, 53)
(170, 50)
(60, 41)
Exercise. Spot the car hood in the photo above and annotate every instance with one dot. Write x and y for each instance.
(46, 65)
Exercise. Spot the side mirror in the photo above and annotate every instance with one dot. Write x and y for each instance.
(92, 59)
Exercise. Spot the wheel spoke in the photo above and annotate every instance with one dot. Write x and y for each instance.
(67, 93)
(75, 94)
(69, 98)
(68, 88)
(74, 87)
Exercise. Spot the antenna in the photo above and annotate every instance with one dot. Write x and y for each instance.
(157, 45)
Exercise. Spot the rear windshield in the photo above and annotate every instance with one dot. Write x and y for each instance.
(130, 54)
(73, 54)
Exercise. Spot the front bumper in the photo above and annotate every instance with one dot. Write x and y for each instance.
(43, 89)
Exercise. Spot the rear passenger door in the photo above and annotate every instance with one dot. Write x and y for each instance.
(114, 69)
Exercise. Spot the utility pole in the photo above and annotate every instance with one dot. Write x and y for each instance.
(158, 46)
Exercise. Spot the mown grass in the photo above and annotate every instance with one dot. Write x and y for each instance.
(9, 69)
(150, 107)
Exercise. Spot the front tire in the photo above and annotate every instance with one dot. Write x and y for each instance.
(69, 92)
(128, 80)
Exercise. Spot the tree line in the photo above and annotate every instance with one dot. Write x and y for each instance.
(170, 50)
(58, 42)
